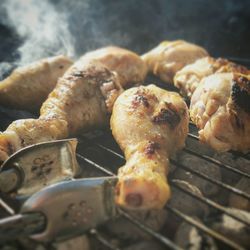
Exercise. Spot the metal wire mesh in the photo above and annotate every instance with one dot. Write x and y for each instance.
(106, 157)
(113, 153)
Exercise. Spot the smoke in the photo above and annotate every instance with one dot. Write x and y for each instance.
(43, 30)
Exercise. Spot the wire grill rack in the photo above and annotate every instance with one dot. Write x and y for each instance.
(99, 155)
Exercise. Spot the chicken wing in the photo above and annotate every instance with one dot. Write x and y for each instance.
(80, 100)
(29, 86)
(129, 66)
(189, 77)
(220, 107)
(169, 57)
(149, 124)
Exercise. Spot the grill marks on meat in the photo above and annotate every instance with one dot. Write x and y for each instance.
(81, 100)
(190, 76)
(140, 99)
(241, 92)
(147, 144)
(228, 126)
(130, 68)
(151, 148)
(218, 89)
(168, 116)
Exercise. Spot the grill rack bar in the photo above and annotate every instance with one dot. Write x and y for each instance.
(216, 162)
(186, 218)
(206, 177)
(167, 242)
(204, 228)
(6, 207)
(102, 240)
(145, 228)
(219, 183)
(237, 154)
(210, 203)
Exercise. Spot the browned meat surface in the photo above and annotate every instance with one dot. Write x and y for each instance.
(220, 107)
(80, 101)
(128, 65)
(169, 57)
(149, 124)
(188, 78)
(28, 87)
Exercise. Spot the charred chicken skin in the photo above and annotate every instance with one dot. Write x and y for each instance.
(28, 87)
(169, 57)
(150, 124)
(81, 100)
(220, 107)
(189, 77)
(128, 65)
(212, 84)
(76, 104)
(219, 92)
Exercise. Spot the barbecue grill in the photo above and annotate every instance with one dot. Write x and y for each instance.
(98, 155)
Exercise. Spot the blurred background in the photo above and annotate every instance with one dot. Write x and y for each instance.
(30, 29)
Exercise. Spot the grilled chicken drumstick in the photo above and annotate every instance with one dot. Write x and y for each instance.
(219, 92)
(149, 124)
(81, 100)
(28, 87)
(220, 107)
(188, 78)
(169, 57)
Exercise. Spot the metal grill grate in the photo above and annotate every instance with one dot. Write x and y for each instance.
(98, 154)
(105, 146)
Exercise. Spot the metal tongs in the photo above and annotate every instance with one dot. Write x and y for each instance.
(54, 204)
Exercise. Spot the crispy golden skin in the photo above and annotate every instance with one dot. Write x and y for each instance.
(220, 107)
(169, 57)
(28, 87)
(149, 124)
(189, 77)
(80, 101)
(130, 68)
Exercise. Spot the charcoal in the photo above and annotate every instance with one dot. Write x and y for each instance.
(237, 162)
(189, 237)
(124, 229)
(237, 201)
(186, 203)
(197, 164)
(232, 228)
